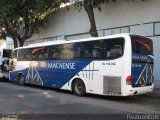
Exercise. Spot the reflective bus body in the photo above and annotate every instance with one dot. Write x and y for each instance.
(118, 65)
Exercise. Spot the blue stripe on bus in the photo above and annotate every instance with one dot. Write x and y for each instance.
(142, 70)
(51, 73)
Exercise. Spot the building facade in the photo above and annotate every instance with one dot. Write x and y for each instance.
(120, 16)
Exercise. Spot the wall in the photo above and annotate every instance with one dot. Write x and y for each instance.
(135, 16)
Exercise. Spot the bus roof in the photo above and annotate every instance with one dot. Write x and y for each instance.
(72, 41)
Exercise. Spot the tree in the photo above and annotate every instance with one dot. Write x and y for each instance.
(21, 18)
(88, 6)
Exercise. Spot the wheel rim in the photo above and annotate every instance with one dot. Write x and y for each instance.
(79, 88)
(21, 80)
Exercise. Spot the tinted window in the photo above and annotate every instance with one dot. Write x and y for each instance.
(39, 53)
(113, 48)
(14, 54)
(22, 54)
(99, 49)
(92, 50)
(71, 51)
(141, 45)
(7, 53)
(55, 52)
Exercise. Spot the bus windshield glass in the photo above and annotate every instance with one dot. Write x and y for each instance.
(141, 45)
(142, 61)
(7, 53)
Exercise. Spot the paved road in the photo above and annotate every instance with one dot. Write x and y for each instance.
(38, 100)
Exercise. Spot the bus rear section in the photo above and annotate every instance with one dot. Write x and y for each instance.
(4, 62)
(142, 76)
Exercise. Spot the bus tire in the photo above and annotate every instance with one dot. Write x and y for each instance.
(20, 80)
(78, 87)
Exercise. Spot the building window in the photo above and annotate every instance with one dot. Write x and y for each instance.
(36, 41)
(147, 29)
(115, 31)
(27, 43)
(107, 32)
(100, 33)
(45, 40)
(125, 30)
(157, 28)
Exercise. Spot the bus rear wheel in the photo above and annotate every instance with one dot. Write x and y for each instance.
(78, 88)
(20, 80)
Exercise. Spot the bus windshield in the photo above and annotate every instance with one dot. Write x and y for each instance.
(142, 61)
(141, 45)
(7, 53)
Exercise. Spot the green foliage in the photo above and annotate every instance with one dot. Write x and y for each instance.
(95, 3)
(20, 18)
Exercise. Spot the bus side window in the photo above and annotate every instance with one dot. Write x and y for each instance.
(75, 51)
(14, 54)
(87, 54)
(96, 53)
(46, 56)
(22, 54)
(34, 55)
(113, 48)
(55, 55)
(71, 51)
(55, 52)
(39, 53)
(27, 57)
(92, 50)
(41, 57)
(75, 54)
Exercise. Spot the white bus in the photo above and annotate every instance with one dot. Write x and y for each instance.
(4, 62)
(118, 65)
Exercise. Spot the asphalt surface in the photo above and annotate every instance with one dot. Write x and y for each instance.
(33, 100)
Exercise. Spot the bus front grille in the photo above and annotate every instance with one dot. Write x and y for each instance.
(111, 85)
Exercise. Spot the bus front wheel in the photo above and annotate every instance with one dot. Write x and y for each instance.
(21, 80)
(78, 87)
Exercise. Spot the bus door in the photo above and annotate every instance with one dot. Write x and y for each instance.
(142, 61)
